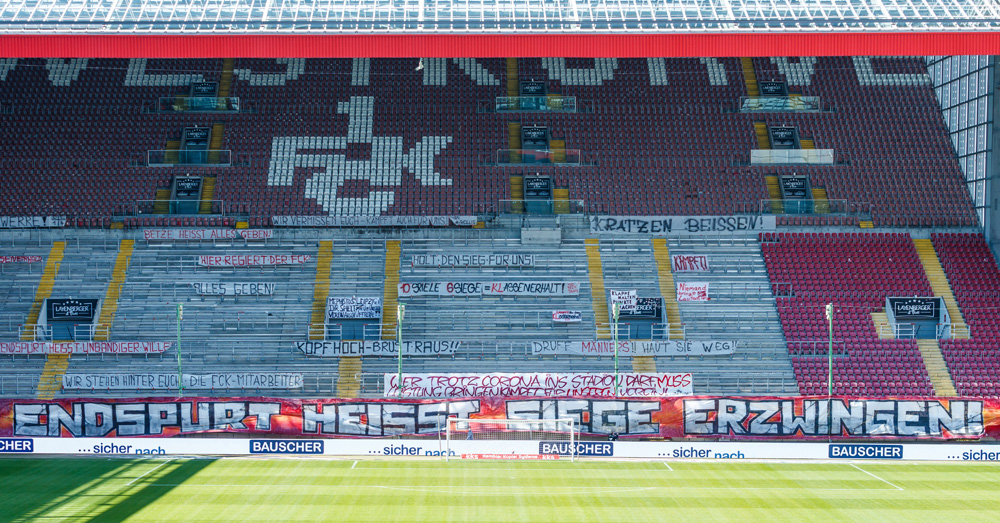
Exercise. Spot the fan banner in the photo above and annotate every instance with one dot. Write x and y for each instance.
(20, 259)
(689, 263)
(475, 288)
(535, 384)
(84, 347)
(680, 225)
(253, 260)
(691, 291)
(712, 418)
(206, 234)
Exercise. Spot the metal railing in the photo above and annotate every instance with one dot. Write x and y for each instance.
(538, 207)
(189, 157)
(811, 206)
(325, 331)
(566, 104)
(669, 331)
(18, 385)
(164, 207)
(539, 157)
(779, 104)
(197, 104)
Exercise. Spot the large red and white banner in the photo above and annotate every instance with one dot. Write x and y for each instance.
(84, 347)
(538, 384)
(253, 260)
(207, 234)
(20, 259)
(475, 288)
(691, 291)
(759, 418)
(689, 263)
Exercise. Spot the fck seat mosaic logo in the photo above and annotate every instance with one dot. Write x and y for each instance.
(326, 157)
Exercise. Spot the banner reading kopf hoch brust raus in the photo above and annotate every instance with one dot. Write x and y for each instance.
(756, 418)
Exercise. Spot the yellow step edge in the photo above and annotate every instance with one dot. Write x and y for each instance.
(348, 369)
(321, 290)
(595, 272)
(668, 289)
(390, 294)
(939, 282)
(44, 289)
(643, 364)
(50, 381)
(937, 369)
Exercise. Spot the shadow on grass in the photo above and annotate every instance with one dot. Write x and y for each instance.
(146, 491)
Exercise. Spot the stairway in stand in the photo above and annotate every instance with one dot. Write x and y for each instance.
(821, 202)
(937, 370)
(750, 77)
(321, 290)
(668, 289)
(595, 272)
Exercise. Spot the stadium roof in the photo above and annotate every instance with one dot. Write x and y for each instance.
(475, 16)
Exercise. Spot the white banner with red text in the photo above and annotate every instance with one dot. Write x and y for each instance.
(635, 348)
(692, 291)
(538, 384)
(510, 288)
(253, 260)
(230, 288)
(689, 263)
(84, 347)
(20, 259)
(206, 234)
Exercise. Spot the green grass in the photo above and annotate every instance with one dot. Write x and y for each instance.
(101, 489)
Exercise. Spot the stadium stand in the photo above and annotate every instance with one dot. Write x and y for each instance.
(365, 137)
(856, 272)
(973, 274)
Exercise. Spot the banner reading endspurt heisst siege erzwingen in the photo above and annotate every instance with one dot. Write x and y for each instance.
(675, 417)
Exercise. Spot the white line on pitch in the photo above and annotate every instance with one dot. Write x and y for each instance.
(355, 464)
(150, 471)
(668, 466)
(876, 477)
(453, 490)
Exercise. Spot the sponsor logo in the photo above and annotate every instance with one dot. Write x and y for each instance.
(282, 446)
(980, 455)
(692, 452)
(17, 445)
(856, 451)
(588, 448)
(406, 450)
(112, 448)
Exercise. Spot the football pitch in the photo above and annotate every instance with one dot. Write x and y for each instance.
(400, 490)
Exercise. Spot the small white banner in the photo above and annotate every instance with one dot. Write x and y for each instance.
(538, 384)
(353, 308)
(472, 260)
(253, 260)
(567, 316)
(635, 348)
(20, 259)
(626, 300)
(680, 225)
(84, 347)
(336, 348)
(689, 263)
(408, 289)
(372, 221)
(153, 381)
(206, 234)
(31, 222)
(234, 288)
(690, 291)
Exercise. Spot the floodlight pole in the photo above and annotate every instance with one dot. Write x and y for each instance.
(829, 378)
(180, 374)
(615, 308)
(400, 310)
